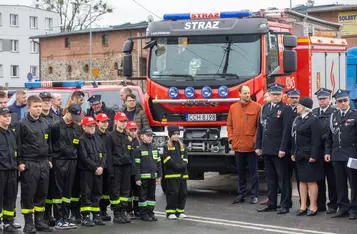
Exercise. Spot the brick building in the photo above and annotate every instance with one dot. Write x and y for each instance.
(65, 56)
(338, 13)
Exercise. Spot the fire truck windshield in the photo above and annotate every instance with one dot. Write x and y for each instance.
(236, 57)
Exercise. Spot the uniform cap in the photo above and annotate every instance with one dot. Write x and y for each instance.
(293, 93)
(45, 95)
(102, 117)
(341, 94)
(131, 125)
(173, 128)
(4, 111)
(95, 99)
(75, 110)
(276, 88)
(121, 116)
(323, 93)
(306, 102)
(88, 121)
(147, 131)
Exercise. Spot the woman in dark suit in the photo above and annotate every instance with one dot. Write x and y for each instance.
(306, 132)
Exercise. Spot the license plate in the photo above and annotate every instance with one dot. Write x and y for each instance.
(200, 117)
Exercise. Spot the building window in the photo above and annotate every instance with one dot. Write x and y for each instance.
(116, 66)
(105, 40)
(48, 23)
(14, 71)
(14, 46)
(0, 45)
(50, 70)
(33, 70)
(69, 68)
(34, 47)
(86, 68)
(33, 22)
(1, 71)
(67, 43)
(14, 20)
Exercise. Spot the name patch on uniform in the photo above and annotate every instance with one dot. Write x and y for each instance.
(15, 153)
(129, 147)
(76, 141)
(100, 155)
(46, 136)
(144, 153)
(154, 154)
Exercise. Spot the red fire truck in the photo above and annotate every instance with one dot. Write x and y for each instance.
(197, 61)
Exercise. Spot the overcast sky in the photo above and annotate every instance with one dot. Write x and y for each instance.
(129, 11)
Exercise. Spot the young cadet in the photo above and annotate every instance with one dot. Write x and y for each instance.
(92, 157)
(148, 164)
(132, 130)
(119, 168)
(34, 163)
(65, 135)
(8, 171)
(51, 118)
(102, 131)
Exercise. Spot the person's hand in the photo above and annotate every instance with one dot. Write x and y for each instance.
(158, 181)
(281, 154)
(50, 164)
(293, 158)
(258, 152)
(99, 171)
(21, 167)
(138, 183)
(327, 158)
(311, 160)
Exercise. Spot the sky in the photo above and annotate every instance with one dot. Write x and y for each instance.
(129, 11)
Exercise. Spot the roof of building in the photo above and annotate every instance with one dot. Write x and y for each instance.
(126, 26)
(325, 8)
(31, 7)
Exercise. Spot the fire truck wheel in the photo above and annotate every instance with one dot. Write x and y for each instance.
(163, 185)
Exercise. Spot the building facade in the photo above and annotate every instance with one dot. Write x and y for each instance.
(66, 56)
(19, 55)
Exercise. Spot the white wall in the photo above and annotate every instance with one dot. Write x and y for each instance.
(24, 58)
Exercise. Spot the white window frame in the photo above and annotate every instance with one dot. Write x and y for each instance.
(17, 71)
(33, 47)
(1, 45)
(48, 24)
(1, 71)
(14, 46)
(34, 71)
(0, 19)
(17, 20)
(33, 19)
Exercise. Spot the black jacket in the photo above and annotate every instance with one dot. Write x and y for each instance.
(65, 140)
(101, 134)
(51, 118)
(148, 162)
(341, 144)
(274, 128)
(118, 149)
(106, 110)
(91, 153)
(307, 133)
(325, 121)
(14, 121)
(134, 145)
(8, 150)
(175, 162)
(33, 139)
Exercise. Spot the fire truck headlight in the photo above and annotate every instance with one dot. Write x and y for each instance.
(223, 91)
(189, 92)
(206, 92)
(173, 92)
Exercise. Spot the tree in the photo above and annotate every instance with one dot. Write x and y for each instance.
(75, 14)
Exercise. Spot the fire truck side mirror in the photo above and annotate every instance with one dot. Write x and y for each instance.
(128, 65)
(290, 56)
(128, 46)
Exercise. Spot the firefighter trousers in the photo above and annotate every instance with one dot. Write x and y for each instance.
(120, 187)
(134, 194)
(104, 202)
(64, 172)
(147, 201)
(49, 201)
(176, 195)
(34, 186)
(91, 191)
(76, 193)
(8, 195)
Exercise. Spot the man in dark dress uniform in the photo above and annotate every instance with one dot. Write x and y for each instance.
(323, 112)
(97, 107)
(342, 145)
(273, 136)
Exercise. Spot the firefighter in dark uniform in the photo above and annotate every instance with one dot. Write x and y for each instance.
(8, 171)
(97, 106)
(323, 112)
(51, 118)
(342, 145)
(92, 158)
(65, 135)
(148, 164)
(102, 131)
(273, 136)
(175, 173)
(119, 162)
(34, 160)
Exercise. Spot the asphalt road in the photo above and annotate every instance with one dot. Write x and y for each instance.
(209, 210)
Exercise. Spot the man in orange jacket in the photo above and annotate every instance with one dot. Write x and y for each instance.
(242, 126)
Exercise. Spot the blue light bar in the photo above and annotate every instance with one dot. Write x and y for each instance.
(209, 15)
(55, 84)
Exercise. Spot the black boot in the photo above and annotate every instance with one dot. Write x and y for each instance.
(29, 227)
(125, 216)
(48, 218)
(87, 221)
(104, 214)
(118, 218)
(75, 217)
(40, 224)
(97, 219)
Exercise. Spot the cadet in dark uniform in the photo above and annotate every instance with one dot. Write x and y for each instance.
(8, 171)
(34, 160)
(273, 136)
(51, 118)
(97, 106)
(342, 145)
(306, 133)
(323, 112)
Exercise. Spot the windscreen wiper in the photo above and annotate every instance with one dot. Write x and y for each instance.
(178, 75)
(223, 75)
